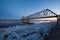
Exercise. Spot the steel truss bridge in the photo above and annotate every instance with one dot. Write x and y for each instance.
(41, 14)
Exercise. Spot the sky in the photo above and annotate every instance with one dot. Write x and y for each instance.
(17, 8)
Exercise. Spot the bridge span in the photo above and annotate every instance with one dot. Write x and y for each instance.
(41, 16)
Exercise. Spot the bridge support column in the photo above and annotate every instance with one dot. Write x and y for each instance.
(58, 21)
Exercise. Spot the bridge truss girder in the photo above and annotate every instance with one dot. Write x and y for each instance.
(43, 13)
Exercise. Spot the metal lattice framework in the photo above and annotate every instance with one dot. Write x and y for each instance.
(43, 13)
(41, 16)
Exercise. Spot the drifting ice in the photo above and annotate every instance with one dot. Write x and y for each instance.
(37, 32)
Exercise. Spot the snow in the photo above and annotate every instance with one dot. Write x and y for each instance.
(34, 32)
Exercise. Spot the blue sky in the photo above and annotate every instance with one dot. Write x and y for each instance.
(18, 8)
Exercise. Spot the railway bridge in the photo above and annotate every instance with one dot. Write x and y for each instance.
(41, 16)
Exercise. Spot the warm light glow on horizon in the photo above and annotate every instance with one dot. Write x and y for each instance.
(46, 19)
(42, 20)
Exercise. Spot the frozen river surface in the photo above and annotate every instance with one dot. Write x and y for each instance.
(35, 32)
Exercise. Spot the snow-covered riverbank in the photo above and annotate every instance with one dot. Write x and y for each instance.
(35, 32)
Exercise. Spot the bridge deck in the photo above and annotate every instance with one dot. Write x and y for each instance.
(45, 17)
